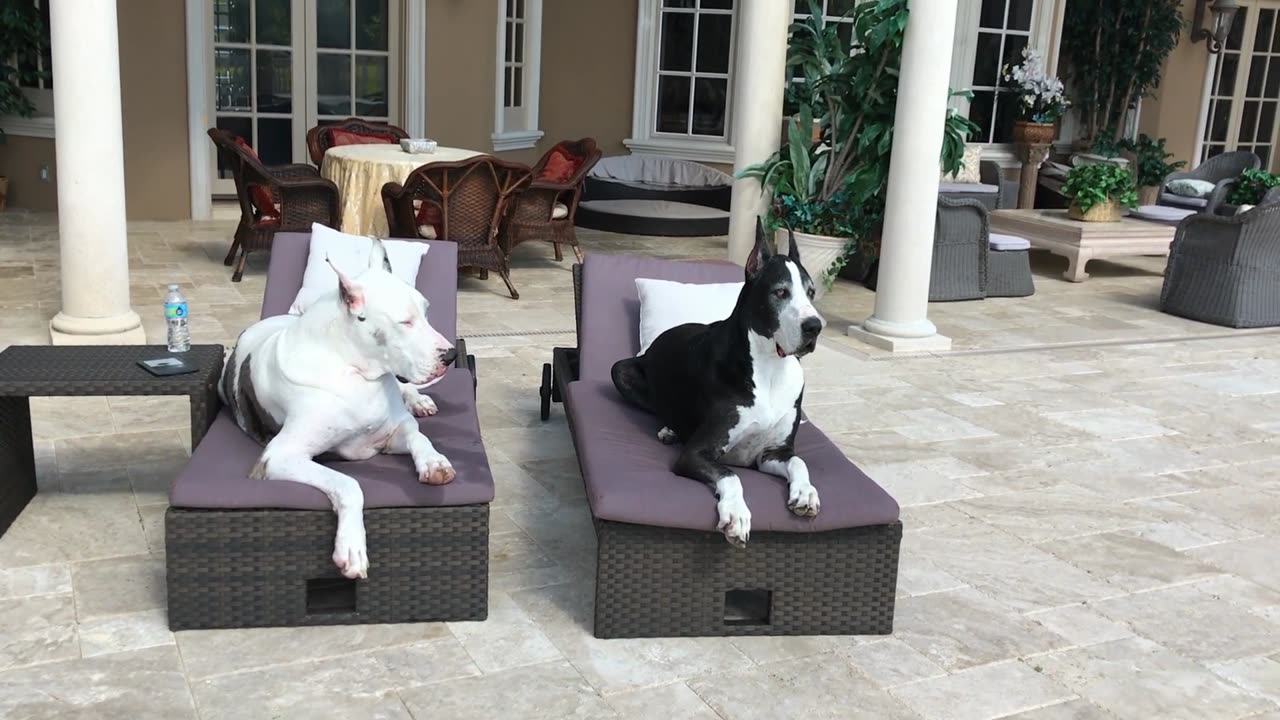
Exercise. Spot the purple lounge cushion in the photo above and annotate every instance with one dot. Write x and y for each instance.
(627, 473)
(437, 279)
(956, 188)
(1005, 243)
(611, 304)
(1162, 213)
(218, 474)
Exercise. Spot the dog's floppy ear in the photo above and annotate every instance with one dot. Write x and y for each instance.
(378, 256)
(352, 295)
(760, 253)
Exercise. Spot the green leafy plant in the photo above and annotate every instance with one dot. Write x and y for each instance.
(1152, 160)
(1251, 186)
(1090, 185)
(1107, 145)
(20, 38)
(836, 186)
(1115, 51)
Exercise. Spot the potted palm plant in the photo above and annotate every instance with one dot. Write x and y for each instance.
(1098, 192)
(1151, 161)
(1040, 99)
(20, 33)
(830, 191)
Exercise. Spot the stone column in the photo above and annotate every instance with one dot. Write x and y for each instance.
(900, 320)
(1032, 156)
(759, 82)
(90, 155)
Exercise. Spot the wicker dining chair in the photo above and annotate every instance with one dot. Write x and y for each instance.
(468, 201)
(546, 210)
(320, 137)
(282, 198)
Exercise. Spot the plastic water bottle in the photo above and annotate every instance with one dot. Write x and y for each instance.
(175, 313)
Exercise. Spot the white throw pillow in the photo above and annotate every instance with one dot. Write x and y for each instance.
(970, 167)
(1243, 209)
(665, 304)
(1191, 188)
(350, 253)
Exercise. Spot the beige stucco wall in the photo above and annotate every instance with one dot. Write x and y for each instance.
(154, 105)
(461, 67)
(1174, 111)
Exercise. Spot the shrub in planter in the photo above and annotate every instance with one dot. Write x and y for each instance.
(1152, 163)
(1251, 186)
(1097, 192)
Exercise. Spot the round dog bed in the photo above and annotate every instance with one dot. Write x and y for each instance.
(643, 195)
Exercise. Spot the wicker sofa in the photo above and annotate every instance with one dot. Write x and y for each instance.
(245, 553)
(662, 569)
(1226, 270)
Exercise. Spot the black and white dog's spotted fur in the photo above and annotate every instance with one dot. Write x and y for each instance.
(731, 390)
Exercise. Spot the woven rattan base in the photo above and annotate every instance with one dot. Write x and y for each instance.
(662, 582)
(253, 568)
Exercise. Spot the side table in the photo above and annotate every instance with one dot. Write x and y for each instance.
(28, 371)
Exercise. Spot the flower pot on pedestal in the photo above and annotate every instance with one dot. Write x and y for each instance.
(1033, 133)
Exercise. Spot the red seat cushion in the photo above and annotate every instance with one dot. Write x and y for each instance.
(429, 214)
(260, 195)
(339, 137)
(560, 167)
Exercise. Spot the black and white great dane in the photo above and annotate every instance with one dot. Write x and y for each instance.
(326, 382)
(731, 390)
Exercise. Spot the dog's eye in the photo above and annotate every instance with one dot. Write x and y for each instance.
(782, 293)
(810, 293)
(407, 323)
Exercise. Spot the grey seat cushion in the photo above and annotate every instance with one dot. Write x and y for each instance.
(1162, 213)
(611, 305)
(968, 188)
(1185, 202)
(1003, 243)
(628, 478)
(437, 279)
(217, 477)
(655, 209)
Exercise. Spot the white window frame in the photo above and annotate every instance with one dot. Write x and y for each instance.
(1044, 35)
(516, 128)
(644, 135)
(39, 125)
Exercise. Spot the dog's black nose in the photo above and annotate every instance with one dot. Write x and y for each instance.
(449, 356)
(810, 327)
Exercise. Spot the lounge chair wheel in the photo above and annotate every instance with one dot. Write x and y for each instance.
(545, 391)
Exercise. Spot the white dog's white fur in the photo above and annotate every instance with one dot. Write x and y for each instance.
(326, 381)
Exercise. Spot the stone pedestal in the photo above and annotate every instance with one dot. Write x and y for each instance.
(1032, 156)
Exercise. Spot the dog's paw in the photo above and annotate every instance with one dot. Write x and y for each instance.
(436, 470)
(668, 436)
(420, 405)
(802, 499)
(350, 554)
(735, 521)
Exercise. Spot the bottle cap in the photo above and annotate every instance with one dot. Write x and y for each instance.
(174, 286)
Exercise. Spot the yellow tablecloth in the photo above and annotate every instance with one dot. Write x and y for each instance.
(360, 171)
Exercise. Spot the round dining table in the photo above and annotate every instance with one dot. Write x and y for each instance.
(360, 171)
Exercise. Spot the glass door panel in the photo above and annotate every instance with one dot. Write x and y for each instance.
(351, 72)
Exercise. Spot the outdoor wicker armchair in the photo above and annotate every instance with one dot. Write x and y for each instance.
(547, 209)
(469, 199)
(320, 138)
(283, 198)
(1217, 170)
(961, 242)
(1226, 270)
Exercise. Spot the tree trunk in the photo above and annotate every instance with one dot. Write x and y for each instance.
(1129, 101)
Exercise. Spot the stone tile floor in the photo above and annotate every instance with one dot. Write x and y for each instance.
(1091, 495)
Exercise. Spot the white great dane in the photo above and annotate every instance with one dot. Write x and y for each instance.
(328, 381)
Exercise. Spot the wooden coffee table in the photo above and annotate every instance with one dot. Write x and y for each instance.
(1079, 242)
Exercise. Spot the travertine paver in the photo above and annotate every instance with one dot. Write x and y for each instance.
(1091, 496)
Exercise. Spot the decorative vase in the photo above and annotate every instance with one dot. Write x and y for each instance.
(818, 253)
(1033, 133)
(1108, 211)
(1148, 194)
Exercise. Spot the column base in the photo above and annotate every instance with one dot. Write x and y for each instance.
(123, 329)
(893, 343)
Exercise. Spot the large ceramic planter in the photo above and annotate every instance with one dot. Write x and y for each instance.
(818, 253)
(1032, 133)
(1108, 211)
(1148, 194)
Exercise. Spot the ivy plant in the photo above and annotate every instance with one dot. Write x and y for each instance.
(1090, 185)
(1153, 160)
(1251, 186)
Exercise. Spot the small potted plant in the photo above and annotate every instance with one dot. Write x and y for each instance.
(1152, 163)
(1040, 99)
(1098, 192)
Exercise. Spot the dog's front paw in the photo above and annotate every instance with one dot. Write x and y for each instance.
(735, 521)
(420, 405)
(436, 470)
(668, 436)
(350, 554)
(802, 499)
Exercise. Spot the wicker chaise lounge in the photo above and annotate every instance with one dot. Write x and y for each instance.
(662, 568)
(244, 553)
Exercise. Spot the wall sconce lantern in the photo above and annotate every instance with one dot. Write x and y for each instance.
(1222, 15)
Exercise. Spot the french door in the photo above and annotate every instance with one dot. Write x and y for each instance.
(283, 66)
(1245, 93)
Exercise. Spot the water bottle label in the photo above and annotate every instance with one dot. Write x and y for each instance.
(175, 310)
